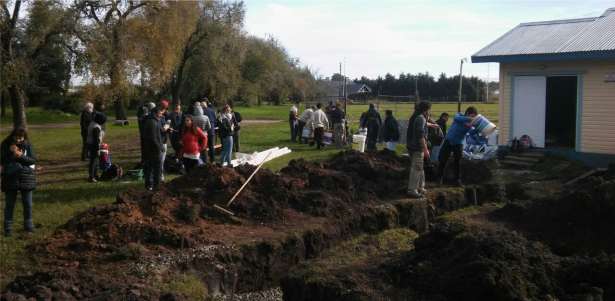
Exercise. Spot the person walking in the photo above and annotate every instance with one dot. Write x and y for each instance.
(226, 126)
(211, 134)
(152, 138)
(202, 122)
(305, 120)
(18, 158)
(95, 138)
(292, 121)
(319, 121)
(338, 117)
(453, 142)
(176, 118)
(194, 142)
(416, 143)
(86, 118)
(391, 130)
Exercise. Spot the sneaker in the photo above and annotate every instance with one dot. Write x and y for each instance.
(458, 184)
(149, 188)
(92, 180)
(423, 191)
(415, 195)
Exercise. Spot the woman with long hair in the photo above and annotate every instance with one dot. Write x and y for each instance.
(453, 142)
(191, 149)
(18, 158)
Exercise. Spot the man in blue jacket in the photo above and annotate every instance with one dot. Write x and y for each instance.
(453, 142)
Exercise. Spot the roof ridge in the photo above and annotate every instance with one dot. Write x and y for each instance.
(560, 21)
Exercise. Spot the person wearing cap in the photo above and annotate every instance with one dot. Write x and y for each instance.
(211, 134)
(416, 144)
(391, 130)
(305, 120)
(292, 120)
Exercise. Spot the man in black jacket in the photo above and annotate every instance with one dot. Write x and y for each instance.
(391, 130)
(86, 118)
(152, 141)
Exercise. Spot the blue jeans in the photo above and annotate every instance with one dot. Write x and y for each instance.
(227, 150)
(391, 145)
(435, 151)
(26, 201)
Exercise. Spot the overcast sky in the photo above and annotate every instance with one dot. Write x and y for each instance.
(377, 37)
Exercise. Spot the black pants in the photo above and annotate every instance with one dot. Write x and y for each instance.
(153, 170)
(294, 128)
(445, 152)
(175, 142)
(189, 164)
(236, 140)
(371, 143)
(85, 153)
(93, 167)
(300, 130)
(211, 141)
(318, 137)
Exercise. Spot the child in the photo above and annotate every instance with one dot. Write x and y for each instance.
(105, 160)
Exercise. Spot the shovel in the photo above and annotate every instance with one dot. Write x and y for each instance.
(227, 210)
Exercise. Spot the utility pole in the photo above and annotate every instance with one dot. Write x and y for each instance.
(345, 92)
(460, 82)
(341, 87)
(487, 98)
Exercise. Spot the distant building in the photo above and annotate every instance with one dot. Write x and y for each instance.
(557, 84)
(333, 90)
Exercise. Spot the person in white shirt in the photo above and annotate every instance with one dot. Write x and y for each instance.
(319, 120)
(305, 120)
(292, 120)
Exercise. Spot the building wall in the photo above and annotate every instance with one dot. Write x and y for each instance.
(598, 100)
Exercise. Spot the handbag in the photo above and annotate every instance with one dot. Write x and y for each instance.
(11, 168)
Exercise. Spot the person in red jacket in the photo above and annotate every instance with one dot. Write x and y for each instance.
(191, 149)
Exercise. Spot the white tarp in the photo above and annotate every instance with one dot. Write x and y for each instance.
(257, 158)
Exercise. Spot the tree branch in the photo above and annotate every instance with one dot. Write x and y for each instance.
(15, 14)
(110, 12)
(132, 7)
(6, 11)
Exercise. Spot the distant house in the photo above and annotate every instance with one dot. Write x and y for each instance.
(333, 90)
(557, 84)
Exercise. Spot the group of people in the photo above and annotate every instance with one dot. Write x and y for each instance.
(417, 145)
(191, 133)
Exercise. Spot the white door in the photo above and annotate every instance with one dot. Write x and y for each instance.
(530, 105)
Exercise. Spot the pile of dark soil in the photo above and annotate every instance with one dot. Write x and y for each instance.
(579, 221)
(472, 172)
(455, 262)
(70, 284)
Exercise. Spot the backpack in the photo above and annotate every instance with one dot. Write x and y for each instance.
(514, 146)
(238, 117)
(525, 142)
(172, 165)
(113, 173)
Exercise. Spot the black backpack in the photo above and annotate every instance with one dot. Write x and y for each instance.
(172, 165)
(238, 117)
(112, 173)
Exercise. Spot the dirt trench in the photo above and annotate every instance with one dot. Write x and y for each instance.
(282, 219)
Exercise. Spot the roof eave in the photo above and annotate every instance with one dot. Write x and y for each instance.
(545, 57)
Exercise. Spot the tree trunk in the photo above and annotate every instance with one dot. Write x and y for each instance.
(19, 109)
(3, 104)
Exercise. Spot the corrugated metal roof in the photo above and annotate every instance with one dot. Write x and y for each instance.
(562, 36)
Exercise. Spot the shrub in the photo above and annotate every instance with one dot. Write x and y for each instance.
(65, 104)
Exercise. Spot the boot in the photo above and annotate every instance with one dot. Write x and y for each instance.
(29, 226)
(8, 229)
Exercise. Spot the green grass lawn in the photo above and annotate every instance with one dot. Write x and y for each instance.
(36, 115)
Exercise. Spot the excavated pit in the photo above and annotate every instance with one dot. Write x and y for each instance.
(555, 248)
(281, 219)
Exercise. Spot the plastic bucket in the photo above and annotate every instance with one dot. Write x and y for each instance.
(483, 125)
(328, 138)
(306, 133)
(136, 174)
(358, 142)
(363, 131)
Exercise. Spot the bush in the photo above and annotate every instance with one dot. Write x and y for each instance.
(65, 104)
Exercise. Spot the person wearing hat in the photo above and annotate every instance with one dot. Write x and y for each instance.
(416, 144)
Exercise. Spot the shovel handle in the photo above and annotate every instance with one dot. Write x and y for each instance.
(250, 178)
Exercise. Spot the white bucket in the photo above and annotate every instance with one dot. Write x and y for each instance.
(483, 125)
(306, 133)
(358, 142)
(328, 138)
(363, 131)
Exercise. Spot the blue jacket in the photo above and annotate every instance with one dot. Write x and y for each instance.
(460, 127)
(211, 114)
